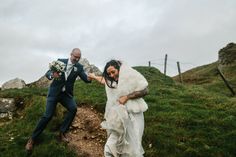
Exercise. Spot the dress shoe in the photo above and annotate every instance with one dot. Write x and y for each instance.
(29, 145)
(64, 138)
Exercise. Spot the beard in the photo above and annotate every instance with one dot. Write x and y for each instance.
(74, 61)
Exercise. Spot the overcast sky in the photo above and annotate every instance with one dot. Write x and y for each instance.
(34, 33)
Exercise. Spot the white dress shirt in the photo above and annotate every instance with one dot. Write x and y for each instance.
(69, 68)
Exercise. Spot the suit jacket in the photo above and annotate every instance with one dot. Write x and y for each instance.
(57, 84)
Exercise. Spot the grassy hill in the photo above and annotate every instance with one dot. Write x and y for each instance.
(208, 76)
(182, 120)
(200, 75)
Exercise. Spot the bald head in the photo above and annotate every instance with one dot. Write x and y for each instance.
(75, 55)
(76, 51)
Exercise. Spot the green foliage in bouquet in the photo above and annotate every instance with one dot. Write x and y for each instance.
(57, 66)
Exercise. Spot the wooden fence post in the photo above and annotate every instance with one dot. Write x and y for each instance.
(180, 75)
(225, 81)
(165, 64)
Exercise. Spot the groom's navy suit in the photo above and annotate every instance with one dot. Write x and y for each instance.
(61, 90)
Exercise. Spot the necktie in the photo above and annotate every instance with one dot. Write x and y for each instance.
(68, 69)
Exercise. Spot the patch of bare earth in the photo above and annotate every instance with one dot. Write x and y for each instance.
(87, 137)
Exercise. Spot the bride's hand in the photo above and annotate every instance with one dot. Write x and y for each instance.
(123, 99)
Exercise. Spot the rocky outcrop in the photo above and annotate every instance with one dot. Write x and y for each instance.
(43, 82)
(89, 67)
(227, 55)
(7, 107)
(14, 83)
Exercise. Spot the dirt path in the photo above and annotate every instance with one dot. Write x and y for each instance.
(87, 137)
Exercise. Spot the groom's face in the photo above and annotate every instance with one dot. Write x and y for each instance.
(113, 72)
(75, 57)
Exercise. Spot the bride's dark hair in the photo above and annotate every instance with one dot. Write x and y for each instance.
(109, 81)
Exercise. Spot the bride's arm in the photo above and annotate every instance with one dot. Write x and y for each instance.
(133, 95)
(138, 94)
(100, 79)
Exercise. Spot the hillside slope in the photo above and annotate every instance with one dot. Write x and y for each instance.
(200, 75)
(208, 75)
(182, 120)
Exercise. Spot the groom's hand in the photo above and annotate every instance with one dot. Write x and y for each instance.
(91, 76)
(55, 75)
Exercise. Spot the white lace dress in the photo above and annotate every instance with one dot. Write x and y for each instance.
(125, 123)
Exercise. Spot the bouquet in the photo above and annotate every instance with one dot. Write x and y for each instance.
(57, 66)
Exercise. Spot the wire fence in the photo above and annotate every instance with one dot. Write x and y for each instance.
(172, 67)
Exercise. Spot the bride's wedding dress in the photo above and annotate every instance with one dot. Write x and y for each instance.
(125, 123)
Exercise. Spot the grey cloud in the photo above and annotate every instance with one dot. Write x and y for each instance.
(132, 30)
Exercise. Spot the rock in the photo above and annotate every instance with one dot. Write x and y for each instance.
(227, 55)
(15, 83)
(43, 82)
(93, 137)
(89, 67)
(75, 125)
(7, 107)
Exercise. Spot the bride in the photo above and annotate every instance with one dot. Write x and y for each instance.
(124, 120)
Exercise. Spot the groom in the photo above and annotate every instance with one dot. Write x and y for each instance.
(61, 90)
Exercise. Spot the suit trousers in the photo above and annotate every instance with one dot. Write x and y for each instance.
(68, 102)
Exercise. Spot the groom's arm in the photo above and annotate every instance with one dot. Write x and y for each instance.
(83, 75)
(49, 74)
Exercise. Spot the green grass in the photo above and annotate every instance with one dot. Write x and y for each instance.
(182, 120)
(90, 94)
(208, 77)
(189, 120)
(13, 136)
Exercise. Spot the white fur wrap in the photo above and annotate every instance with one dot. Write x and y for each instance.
(129, 81)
